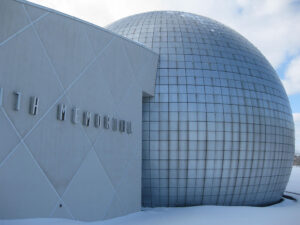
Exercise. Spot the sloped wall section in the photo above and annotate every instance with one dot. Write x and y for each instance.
(70, 115)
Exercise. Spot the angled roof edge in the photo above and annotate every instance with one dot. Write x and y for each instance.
(84, 22)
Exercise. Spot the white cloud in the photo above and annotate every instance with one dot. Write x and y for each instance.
(292, 77)
(272, 25)
(297, 131)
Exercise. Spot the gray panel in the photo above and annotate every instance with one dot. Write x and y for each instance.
(67, 146)
(25, 68)
(34, 12)
(67, 44)
(116, 149)
(61, 211)
(98, 38)
(219, 129)
(90, 192)
(143, 71)
(93, 96)
(24, 190)
(12, 18)
(116, 70)
(8, 134)
(129, 195)
(115, 209)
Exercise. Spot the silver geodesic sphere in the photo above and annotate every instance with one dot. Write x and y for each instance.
(219, 129)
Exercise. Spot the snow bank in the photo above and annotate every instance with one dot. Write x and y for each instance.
(286, 212)
(294, 182)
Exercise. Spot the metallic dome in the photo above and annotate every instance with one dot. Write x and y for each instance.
(219, 129)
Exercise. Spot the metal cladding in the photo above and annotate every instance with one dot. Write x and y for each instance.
(219, 129)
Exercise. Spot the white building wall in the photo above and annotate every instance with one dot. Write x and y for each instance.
(53, 168)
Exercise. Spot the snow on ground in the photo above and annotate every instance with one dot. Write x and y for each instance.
(284, 213)
(294, 182)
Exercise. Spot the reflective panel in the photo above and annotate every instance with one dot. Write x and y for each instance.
(219, 129)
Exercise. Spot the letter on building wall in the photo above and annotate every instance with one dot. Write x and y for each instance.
(18, 100)
(34, 104)
(122, 125)
(86, 118)
(128, 127)
(97, 120)
(61, 112)
(106, 122)
(75, 115)
(114, 124)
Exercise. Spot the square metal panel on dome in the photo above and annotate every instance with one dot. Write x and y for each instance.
(217, 102)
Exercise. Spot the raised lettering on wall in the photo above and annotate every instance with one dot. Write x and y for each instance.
(114, 124)
(61, 112)
(97, 120)
(18, 100)
(122, 126)
(106, 122)
(86, 118)
(128, 127)
(34, 104)
(75, 115)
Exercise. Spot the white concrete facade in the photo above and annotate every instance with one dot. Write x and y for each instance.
(71, 168)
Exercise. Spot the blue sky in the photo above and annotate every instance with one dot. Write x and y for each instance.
(271, 25)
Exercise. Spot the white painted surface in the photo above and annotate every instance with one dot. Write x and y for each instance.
(51, 168)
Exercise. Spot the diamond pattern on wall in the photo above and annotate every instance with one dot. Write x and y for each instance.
(99, 40)
(32, 194)
(108, 149)
(115, 208)
(91, 91)
(34, 12)
(91, 190)
(67, 147)
(31, 75)
(62, 211)
(62, 60)
(67, 44)
(115, 67)
(12, 18)
(9, 135)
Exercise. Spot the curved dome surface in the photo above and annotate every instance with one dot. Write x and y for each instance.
(219, 129)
